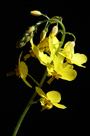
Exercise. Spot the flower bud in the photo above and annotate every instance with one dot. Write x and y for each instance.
(43, 34)
(55, 17)
(31, 29)
(54, 30)
(35, 13)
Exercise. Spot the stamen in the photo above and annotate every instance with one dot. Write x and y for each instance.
(43, 108)
(26, 57)
(32, 53)
(50, 80)
(10, 73)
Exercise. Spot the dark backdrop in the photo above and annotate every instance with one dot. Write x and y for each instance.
(15, 19)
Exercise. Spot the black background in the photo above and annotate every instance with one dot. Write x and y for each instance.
(15, 19)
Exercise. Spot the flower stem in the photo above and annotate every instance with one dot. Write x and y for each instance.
(62, 39)
(28, 105)
(68, 33)
(45, 16)
(33, 79)
(72, 35)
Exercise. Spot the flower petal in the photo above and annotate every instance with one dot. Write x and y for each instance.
(79, 59)
(26, 82)
(69, 46)
(34, 47)
(23, 69)
(40, 91)
(68, 50)
(43, 44)
(53, 44)
(57, 63)
(43, 58)
(53, 96)
(60, 57)
(68, 74)
(42, 101)
(61, 106)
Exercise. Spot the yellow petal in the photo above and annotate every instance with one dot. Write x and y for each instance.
(79, 59)
(53, 44)
(44, 43)
(26, 82)
(61, 106)
(54, 96)
(69, 46)
(68, 50)
(68, 74)
(57, 63)
(45, 104)
(43, 58)
(42, 101)
(34, 47)
(60, 57)
(40, 91)
(23, 69)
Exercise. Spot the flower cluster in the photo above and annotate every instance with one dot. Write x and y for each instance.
(60, 65)
(59, 61)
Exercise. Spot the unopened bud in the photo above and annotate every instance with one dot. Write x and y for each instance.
(43, 34)
(35, 13)
(55, 17)
(31, 29)
(54, 30)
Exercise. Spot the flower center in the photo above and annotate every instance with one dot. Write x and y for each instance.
(47, 104)
(54, 75)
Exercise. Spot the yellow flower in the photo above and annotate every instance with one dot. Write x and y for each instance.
(23, 70)
(50, 99)
(44, 45)
(60, 70)
(71, 57)
(43, 58)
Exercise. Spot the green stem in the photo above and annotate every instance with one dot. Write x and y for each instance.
(33, 79)
(28, 105)
(72, 35)
(43, 79)
(45, 16)
(68, 33)
(62, 39)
